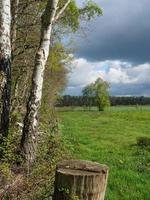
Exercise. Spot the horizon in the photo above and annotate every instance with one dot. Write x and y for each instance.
(116, 48)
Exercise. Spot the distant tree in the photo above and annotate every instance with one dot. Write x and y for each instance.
(98, 90)
(101, 93)
(88, 92)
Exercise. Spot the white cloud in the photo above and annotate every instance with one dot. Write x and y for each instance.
(115, 72)
(83, 72)
(141, 72)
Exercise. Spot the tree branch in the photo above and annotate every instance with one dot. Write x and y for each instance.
(58, 15)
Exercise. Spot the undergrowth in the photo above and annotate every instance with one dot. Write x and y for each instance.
(17, 179)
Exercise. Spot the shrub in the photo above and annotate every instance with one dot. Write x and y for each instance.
(143, 141)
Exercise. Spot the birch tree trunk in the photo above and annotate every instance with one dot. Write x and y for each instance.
(30, 134)
(5, 63)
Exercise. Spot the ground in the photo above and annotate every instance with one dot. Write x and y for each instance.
(109, 137)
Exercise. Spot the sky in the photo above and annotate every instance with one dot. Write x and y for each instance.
(115, 47)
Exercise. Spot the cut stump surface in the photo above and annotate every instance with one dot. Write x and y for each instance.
(80, 180)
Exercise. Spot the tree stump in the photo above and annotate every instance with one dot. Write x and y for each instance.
(80, 180)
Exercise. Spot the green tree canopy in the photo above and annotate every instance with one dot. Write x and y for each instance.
(98, 89)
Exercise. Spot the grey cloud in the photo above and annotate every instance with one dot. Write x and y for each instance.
(74, 91)
(124, 78)
(118, 90)
(123, 33)
(130, 89)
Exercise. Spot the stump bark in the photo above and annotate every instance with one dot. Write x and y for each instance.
(80, 180)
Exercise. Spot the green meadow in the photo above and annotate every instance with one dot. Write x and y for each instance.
(109, 137)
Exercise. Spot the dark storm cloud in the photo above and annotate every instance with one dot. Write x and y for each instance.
(118, 90)
(123, 33)
(130, 89)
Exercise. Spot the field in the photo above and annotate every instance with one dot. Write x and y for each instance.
(109, 137)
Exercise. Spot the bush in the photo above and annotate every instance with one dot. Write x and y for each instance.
(143, 141)
(36, 181)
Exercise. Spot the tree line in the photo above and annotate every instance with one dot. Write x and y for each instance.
(97, 94)
(68, 100)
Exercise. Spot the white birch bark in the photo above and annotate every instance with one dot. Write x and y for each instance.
(30, 135)
(59, 14)
(5, 63)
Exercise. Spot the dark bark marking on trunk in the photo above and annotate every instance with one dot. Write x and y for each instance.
(5, 71)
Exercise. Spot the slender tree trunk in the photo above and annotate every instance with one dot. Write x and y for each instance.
(14, 12)
(5, 64)
(30, 134)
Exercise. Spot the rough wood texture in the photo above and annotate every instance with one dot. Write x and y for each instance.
(80, 180)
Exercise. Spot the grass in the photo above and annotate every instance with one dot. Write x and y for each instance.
(110, 138)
